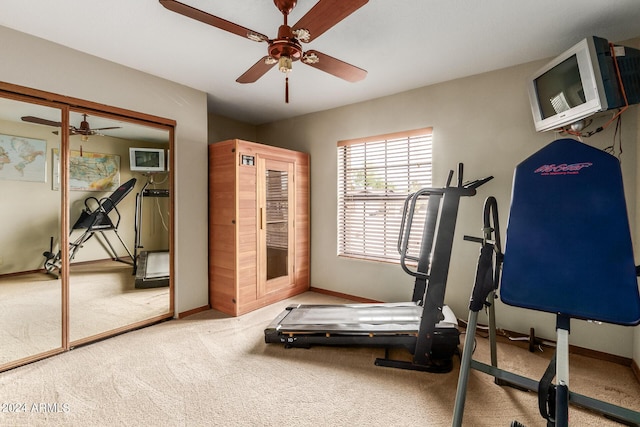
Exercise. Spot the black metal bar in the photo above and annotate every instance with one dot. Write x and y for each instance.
(562, 405)
(424, 259)
(611, 411)
(434, 368)
(440, 260)
(401, 241)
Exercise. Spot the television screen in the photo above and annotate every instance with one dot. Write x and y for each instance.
(571, 87)
(560, 88)
(146, 159)
(584, 80)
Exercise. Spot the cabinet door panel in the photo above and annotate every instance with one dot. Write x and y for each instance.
(276, 208)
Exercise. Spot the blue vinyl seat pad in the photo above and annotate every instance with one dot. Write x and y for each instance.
(568, 245)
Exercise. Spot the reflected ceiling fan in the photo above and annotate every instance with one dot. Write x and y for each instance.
(84, 129)
(287, 47)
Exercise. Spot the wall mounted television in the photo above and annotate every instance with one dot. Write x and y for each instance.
(583, 81)
(146, 159)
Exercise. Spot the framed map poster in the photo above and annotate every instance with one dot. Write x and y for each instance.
(23, 159)
(89, 171)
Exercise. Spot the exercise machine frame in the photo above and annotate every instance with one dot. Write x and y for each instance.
(432, 335)
(94, 218)
(570, 280)
(141, 258)
(484, 295)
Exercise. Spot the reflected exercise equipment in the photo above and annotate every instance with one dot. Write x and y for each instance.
(95, 218)
(151, 268)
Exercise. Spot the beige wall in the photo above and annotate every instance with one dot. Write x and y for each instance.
(223, 128)
(36, 63)
(30, 210)
(483, 121)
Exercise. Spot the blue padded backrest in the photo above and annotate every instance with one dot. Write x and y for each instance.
(568, 246)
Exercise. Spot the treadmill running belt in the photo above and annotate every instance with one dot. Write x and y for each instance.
(157, 265)
(356, 318)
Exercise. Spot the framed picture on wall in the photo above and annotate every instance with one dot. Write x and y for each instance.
(89, 171)
(23, 159)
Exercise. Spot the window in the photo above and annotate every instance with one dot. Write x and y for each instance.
(375, 175)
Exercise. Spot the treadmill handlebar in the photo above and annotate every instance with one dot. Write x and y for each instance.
(406, 225)
(478, 182)
(405, 229)
(408, 210)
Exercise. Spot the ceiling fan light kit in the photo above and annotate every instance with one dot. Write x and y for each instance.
(285, 64)
(287, 48)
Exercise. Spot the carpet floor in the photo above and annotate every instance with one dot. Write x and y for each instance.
(102, 297)
(212, 369)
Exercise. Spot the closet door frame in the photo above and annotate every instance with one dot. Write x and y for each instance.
(65, 104)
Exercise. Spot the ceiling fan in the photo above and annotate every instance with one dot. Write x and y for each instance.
(84, 129)
(287, 47)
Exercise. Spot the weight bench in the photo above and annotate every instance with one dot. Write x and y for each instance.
(568, 252)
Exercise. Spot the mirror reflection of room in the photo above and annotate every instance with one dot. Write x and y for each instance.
(30, 301)
(119, 215)
(118, 229)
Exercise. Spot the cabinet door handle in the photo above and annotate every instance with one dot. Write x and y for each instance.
(262, 219)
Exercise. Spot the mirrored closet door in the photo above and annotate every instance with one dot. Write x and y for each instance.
(31, 301)
(85, 224)
(119, 225)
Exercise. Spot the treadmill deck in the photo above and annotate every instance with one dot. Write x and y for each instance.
(384, 318)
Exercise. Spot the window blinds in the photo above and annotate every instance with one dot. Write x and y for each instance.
(375, 175)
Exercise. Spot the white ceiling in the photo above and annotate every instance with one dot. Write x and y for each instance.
(403, 44)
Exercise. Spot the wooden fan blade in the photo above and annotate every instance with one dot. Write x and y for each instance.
(223, 24)
(325, 14)
(336, 67)
(256, 71)
(112, 127)
(39, 121)
(72, 131)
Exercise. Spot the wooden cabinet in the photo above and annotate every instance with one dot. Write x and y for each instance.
(258, 225)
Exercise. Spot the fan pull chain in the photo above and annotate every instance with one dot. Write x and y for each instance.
(286, 89)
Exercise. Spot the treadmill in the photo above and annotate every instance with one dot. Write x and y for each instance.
(151, 268)
(424, 326)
